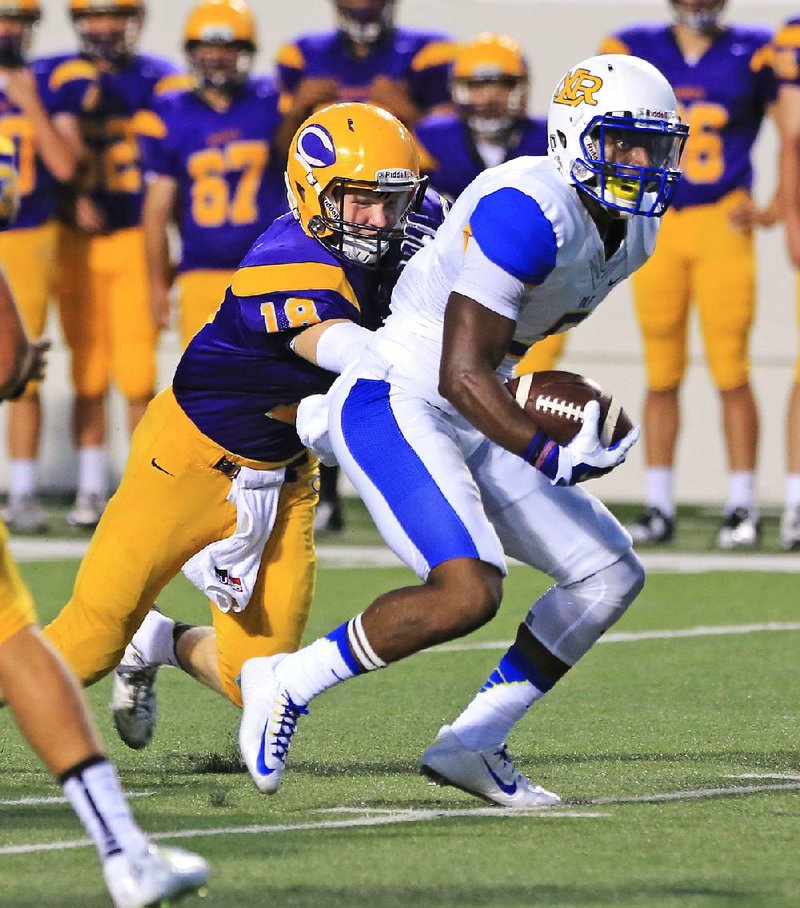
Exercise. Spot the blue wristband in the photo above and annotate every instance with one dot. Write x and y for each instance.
(534, 449)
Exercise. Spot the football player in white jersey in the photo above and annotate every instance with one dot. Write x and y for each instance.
(455, 474)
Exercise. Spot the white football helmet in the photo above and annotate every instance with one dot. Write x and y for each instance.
(602, 109)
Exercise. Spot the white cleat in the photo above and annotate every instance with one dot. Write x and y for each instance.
(159, 877)
(741, 529)
(790, 529)
(269, 720)
(87, 511)
(133, 698)
(488, 774)
(26, 515)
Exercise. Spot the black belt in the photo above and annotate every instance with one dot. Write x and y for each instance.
(231, 469)
(516, 348)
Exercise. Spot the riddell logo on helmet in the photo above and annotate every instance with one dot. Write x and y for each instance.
(398, 175)
(578, 87)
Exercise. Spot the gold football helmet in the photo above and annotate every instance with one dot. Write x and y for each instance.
(490, 84)
(108, 29)
(220, 41)
(17, 21)
(353, 151)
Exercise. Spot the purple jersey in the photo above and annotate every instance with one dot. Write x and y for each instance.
(786, 53)
(420, 59)
(723, 97)
(239, 381)
(450, 155)
(117, 187)
(63, 88)
(229, 189)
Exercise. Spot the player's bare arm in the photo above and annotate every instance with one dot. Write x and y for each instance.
(789, 124)
(159, 202)
(59, 155)
(475, 342)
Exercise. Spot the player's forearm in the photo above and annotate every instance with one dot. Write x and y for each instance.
(58, 155)
(155, 222)
(479, 396)
(332, 345)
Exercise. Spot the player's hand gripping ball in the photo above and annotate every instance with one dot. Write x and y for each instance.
(554, 400)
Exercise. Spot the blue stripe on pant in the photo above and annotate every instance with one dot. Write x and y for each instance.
(377, 444)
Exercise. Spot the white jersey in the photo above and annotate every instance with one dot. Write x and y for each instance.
(519, 241)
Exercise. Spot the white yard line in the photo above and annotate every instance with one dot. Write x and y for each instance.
(20, 802)
(722, 630)
(341, 556)
(372, 818)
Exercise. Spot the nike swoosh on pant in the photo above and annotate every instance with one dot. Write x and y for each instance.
(154, 464)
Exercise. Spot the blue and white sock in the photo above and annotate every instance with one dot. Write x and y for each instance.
(343, 653)
(512, 688)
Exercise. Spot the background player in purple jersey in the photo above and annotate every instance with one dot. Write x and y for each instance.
(39, 104)
(208, 159)
(786, 65)
(102, 285)
(217, 473)
(366, 58)
(489, 89)
(705, 253)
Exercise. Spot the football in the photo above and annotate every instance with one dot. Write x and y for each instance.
(555, 400)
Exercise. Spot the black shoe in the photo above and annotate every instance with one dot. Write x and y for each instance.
(652, 528)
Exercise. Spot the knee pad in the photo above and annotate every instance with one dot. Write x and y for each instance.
(568, 620)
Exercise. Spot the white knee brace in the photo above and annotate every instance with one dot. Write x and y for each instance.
(568, 620)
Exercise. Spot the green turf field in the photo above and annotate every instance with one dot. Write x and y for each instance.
(354, 824)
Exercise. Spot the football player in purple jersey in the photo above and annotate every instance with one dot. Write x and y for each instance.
(102, 287)
(208, 159)
(40, 101)
(723, 81)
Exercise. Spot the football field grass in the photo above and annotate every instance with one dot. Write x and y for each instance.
(675, 745)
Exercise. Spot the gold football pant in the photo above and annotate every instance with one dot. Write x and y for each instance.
(698, 257)
(170, 504)
(16, 603)
(200, 294)
(101, 284)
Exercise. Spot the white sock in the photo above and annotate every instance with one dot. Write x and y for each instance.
(792, 490)
(658, 482)
(741, 489)
(327, 661)
(22, 479)
(96, 796)
(154, 639)
(487, 721)
(93, 471)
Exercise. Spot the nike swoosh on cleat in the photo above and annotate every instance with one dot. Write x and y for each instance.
(154, 464)
(506, 789)
(261, 765)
